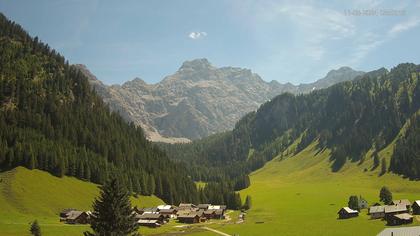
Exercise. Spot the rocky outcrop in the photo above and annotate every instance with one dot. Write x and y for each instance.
(199, 99)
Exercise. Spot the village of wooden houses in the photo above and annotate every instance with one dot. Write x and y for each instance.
(186, 213)
(399, 212)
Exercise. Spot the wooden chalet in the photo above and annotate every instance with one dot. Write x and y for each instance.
(394, 210)
(346, 212)
(77, 217)
(219, 214)
(404, 202)
(168, 213)
(189, 219)
(209, 214)
(376, 212)
(416, 207)
(400, 219)
(149, 223)
(152, 216)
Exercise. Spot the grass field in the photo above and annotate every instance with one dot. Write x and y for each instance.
(26, 195)
(298, 195)
(301, 196)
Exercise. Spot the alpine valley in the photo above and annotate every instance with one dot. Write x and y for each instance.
(206, 151)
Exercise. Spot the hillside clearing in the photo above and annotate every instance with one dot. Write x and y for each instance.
(26, 195)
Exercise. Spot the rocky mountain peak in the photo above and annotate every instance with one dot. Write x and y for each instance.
(196, 64)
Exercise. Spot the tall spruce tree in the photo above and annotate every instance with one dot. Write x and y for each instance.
(112, 213)
(385, 195)
(35, 229)
(353, 203)
(383, 167)
(248, 203)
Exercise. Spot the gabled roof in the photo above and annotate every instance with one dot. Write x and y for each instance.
(72, 215)
(203, 206)
(166, 207)
(377, 209)
(186, 205)
(417, 202)
(207, 212)
(404, 216)
(147, 222)
(150, 216)
(395, 208)
(167, 211)
(405, 202)
(189, 216)
(348, 210)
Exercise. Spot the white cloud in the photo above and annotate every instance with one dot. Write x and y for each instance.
(197, 35)
(404, 26)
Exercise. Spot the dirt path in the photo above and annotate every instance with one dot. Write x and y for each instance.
(216, 231)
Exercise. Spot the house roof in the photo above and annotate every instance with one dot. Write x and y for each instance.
(395, 208)
(72, 215)
(402, 231)
(376, 209)
(203, 206)
(168, 211)
(348, 210)
(186, 205)
(189, 216)
(404, 216)
(184, 212)
(166, 207)
(417, 202)
(207, 212)
(405, 202)
(147, 222)
(150, 216)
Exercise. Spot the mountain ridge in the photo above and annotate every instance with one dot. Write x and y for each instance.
(199, 99)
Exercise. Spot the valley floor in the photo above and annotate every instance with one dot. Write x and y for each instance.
(295, 196)
(301, 196)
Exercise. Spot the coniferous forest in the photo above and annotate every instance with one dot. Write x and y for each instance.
(350, 118)
(50, 119)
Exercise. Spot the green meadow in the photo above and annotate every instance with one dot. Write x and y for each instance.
(300, 195)
(294, 195)
(26, 195)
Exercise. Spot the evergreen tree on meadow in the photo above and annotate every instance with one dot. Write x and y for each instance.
(112, 213)
(375, 160)
(35, 229)
(248, 203)
(385, 195)
(353, 202)
(383, 167)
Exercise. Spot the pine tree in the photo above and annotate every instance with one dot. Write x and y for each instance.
(353, 203)
(385, 195)
(35, 229)
(112, 212)
(375, 160)
(248, 203)
(383, 167)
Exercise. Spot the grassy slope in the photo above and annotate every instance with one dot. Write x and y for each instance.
(26, 195)
(301, 196)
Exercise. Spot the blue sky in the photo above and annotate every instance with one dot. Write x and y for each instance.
(280, 40)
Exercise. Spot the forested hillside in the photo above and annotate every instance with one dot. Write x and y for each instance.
(350, 118)
(50, 119)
